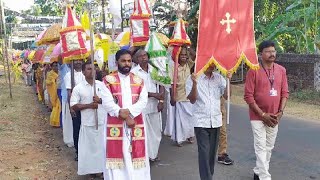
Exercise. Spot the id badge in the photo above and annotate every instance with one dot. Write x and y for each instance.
(273, 92)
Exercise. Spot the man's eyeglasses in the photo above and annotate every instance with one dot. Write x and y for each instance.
(270, 52)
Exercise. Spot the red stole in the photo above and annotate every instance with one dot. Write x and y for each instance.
(115, 131)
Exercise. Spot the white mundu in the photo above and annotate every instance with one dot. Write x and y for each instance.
(91, 141)
(152, 117)
(65, 111)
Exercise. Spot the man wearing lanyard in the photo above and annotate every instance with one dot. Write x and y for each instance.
(266, 93)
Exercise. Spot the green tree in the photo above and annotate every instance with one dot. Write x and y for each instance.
(35, 10)
(52, 8)
(49, 7)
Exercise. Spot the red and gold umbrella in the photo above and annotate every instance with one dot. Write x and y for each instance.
(38, 56)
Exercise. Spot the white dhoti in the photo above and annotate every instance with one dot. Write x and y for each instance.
(128, 172)
(46, 97)
(67, 128)
(179, 122)
(153, 128)
(91, 151)
(168, 130)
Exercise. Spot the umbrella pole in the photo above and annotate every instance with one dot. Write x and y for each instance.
(228, 101)
(72, 75)
(3, 25)
(92, 59)
(113, 30)
(175, 78)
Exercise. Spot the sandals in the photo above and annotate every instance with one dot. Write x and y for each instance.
(190, 140)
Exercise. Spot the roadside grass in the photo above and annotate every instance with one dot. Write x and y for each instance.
(16, 111)
(307, 96)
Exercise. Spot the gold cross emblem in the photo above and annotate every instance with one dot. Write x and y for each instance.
(228, 22)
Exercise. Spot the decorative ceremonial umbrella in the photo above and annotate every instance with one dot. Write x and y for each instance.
(51, 36)
(34, 45)
(103, 36)
(22, 54)
(123, 39)
(48, 52)
(73, 38)
(26, 53)
(31, 55)
(39, 37)
(56, 52)
(38, 56)
(158, 60)
(139, 22)
(163, 38)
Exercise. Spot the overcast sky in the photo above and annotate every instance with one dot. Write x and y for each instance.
(18, 5)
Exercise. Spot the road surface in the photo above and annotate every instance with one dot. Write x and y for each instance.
(296, 155)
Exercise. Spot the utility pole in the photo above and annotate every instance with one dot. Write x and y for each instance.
(121, 16)
(5, 44)
(2, 42)
(103, 16)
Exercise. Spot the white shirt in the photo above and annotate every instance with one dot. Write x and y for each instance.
(83, 94)
(207, 112)
(151, 86)
(78, 78)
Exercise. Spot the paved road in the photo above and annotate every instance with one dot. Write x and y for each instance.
(296, 155)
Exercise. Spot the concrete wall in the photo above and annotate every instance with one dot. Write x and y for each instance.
(302, 70)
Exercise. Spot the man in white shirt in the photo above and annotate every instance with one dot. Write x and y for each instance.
(126, 147)
(91, 140)
(204, 93)
(67, 130)
(152, 112)
(76, 115)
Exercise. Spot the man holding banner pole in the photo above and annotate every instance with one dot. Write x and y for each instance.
(204, 93)
(229, 37)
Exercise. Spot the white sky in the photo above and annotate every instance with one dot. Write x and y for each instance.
(18, 5)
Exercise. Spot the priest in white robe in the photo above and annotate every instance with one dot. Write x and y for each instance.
(126, 147)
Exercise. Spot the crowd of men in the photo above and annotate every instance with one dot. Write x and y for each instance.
(116, 128)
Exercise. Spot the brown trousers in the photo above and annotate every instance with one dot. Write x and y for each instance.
(222, 149)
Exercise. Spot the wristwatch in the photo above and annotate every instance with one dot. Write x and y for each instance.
(280, 110)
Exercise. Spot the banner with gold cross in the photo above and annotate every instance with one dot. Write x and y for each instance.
(226, 35)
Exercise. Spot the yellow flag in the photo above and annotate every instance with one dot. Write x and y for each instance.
(85, 21)
(105, 45)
